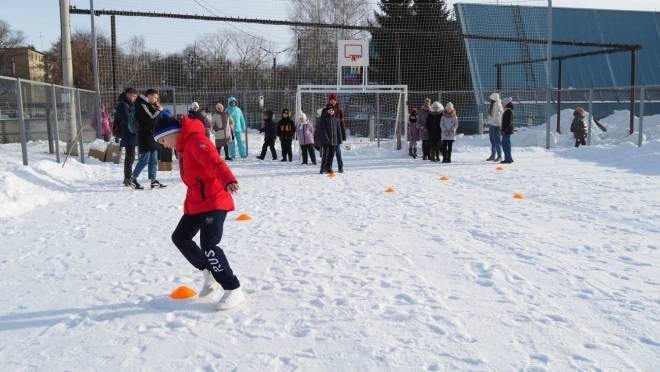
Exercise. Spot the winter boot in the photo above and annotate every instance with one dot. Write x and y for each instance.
(127, 181)
(497, 159)
(157, 185)
(260, 158)
(491, 158)
(135, 184)
(209, 287)
(414, 152)
(231, 299)
(410, 152)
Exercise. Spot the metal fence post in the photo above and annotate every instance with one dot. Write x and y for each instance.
(174, 101)
(378, 123)
(81, 129)
(642, 92)
(481, 123)
(55, 122)
(591, 115)
(21, 120)
(548, 78)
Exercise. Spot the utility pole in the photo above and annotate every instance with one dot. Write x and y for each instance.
(95, 71)
(274, 54)
(67, 75)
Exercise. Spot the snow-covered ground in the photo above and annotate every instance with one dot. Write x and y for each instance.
(341, 276)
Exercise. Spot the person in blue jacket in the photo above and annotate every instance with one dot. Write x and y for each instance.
(239, 127)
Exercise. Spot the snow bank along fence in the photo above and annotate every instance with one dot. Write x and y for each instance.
(529, 109)
(37, 111)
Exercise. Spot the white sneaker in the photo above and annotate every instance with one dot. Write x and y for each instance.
(231, 299)
(209, 287)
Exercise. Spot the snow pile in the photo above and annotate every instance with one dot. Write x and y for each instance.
(617, 125)
(23, 189)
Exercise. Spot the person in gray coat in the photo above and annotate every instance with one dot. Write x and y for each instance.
(448, 126)
(222, 124)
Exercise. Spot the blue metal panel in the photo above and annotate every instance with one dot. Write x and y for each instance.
(596, 25)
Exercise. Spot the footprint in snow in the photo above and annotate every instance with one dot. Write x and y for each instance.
(649, 341)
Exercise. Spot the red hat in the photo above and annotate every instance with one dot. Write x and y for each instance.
(332, 97)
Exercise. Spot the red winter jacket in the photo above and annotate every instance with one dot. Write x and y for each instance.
(202, 170)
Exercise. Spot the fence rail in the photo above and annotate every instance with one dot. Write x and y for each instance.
(38, 111)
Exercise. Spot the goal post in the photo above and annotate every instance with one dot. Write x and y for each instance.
(387, 105)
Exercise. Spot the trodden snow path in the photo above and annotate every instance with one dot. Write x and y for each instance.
(341, 276)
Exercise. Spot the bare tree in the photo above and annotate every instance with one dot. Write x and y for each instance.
(215, 45)
(10, 38)
(315, 48)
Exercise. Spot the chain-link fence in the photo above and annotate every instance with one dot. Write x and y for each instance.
(36, 111)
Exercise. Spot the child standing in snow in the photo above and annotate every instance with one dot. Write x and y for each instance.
(507, 129)
(433, 128)
(305, 133)
(579, 127)
(210, 184)
(449, 126)
(269, 132)
(413, 133)
(286, 130)
(422, 117)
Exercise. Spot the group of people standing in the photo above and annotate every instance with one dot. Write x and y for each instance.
(226, 125)
(500, 128)
(326, 136)
(137, 115)
(436, 127)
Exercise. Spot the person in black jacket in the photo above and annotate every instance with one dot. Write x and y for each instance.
(434, 131)
(128, 129)
(507, 129)
(339, 114)
(147, 111)
(196, 112)
(286, 130)
(579, 127)
(269, 132)
(330, 137)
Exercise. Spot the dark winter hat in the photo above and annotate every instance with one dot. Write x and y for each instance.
(329, 107)
(285, 111)
(166, 127)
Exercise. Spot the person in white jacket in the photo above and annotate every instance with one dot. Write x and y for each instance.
(448, 126)
(495, 112)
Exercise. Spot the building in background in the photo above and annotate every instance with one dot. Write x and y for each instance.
(24, 62)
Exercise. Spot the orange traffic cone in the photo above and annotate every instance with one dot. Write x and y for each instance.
(332, 174)
(389, 189)
(499, 169)
(182, 293)
(444, 178)
(518, 196)
(243, 217)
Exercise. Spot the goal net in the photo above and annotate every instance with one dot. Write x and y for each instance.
(372, 113)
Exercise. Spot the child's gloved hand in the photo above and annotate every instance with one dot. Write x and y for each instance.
(232, 187)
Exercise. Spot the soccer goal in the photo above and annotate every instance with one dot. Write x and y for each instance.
(371, 112)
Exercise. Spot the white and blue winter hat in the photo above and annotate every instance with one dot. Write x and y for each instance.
(166, 127)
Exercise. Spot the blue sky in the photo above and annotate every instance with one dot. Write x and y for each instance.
(39, 19)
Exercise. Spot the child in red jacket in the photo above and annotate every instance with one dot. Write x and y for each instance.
(210, 184)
